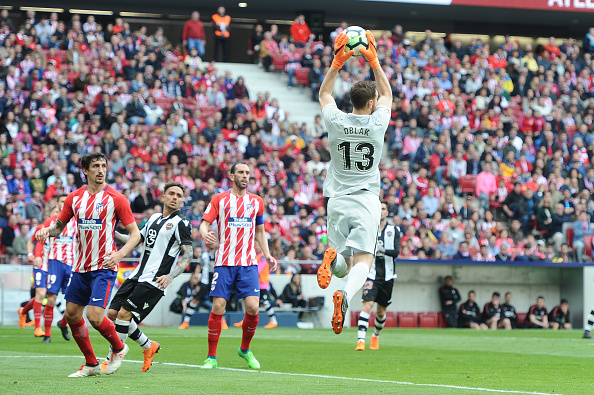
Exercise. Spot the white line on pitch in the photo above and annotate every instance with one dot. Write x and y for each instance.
(321, 376)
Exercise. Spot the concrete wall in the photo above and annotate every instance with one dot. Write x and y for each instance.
(416, 289)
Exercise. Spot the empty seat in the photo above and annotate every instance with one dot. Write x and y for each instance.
(406, 320)
(428, 320)
(468, 184)
(302, 76)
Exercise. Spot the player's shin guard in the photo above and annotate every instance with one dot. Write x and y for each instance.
(190, 310)
(363, 325)
(80, 332)
(214, 332)
(122, 327)
(250, 323)
(356, 279)
(379, 325)
(108, 331)
(37, 313)
(48, 315)
(138, 336)
(28, 306)
(590, 321)
(270, 311)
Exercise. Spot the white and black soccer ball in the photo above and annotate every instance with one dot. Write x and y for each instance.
(357, 39)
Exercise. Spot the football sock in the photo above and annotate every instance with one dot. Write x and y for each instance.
(590, 321)
(356, 279)
(63, 321)
(122, 327)
(214, 332)
(250, 323)
(108, 331)
(363, 325)
(270, 311)
(37, 313)
(48, 314)
(190, 310)
(80, 332)
(340, 266)
(28, 306)
(379, 325)
(138, 336)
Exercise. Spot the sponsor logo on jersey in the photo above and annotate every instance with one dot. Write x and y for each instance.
(99, 207)
(207, 208)
(150, 238)
(64, 239)
(90, 224)
(169, 226)
(240, 222)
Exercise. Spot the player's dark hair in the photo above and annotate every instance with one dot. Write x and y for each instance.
(362, 92)
(446, 277)
(471, 292)
(232, 170)
(540, 297)
(61, 195)
(172, 184)
(564, 301)
(384, 202)
(507, 293)
(496, 294)
(91, 157)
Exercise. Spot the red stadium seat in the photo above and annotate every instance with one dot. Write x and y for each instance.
(570, 237)
(407, 320)
(441, 321)
(521, 318)
(302, 76)
(468, 184)
(278, 62)
(390, 319)
(428, 320)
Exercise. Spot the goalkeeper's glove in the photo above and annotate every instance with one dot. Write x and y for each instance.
(371, 53)
(339, 55)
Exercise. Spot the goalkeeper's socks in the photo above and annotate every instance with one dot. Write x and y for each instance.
(355, 280)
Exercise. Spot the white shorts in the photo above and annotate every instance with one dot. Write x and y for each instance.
(353, 222)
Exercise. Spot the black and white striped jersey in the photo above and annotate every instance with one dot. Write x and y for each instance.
(384, 267)
(163, 238)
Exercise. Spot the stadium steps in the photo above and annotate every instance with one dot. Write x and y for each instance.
(297, 100)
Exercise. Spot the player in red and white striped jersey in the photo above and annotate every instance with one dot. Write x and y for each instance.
(58, 256)
(240, 222)
(97, 209)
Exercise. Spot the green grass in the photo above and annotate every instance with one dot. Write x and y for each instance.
(408, 362)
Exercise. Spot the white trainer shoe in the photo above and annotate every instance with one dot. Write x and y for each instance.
(116, 360)
(86, 371)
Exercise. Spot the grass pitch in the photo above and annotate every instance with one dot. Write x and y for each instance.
(410, 361)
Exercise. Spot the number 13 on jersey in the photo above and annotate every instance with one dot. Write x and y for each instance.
(366, 149)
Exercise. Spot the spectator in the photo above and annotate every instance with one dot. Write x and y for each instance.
(537, 315)
(300, 31)
(515, 205)
(449, 297)
(581, 228)
(193, 34)
(9, 233)
(560, 317)
(292, 292)
(508, 312)
(220, 24)
(469, 314)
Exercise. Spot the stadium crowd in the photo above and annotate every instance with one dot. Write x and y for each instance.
(489, 147)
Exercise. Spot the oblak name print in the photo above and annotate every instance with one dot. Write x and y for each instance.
(352, 130)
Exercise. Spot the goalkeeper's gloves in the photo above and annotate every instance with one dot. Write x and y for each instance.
(371, 53)
(339, 55)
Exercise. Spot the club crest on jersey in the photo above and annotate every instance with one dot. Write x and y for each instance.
(99, 207)
(169, 226)
(249, 209)
(389, 233)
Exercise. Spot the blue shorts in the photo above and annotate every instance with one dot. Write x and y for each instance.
(58, 276)
(40, 277)
(245, 278)
(91, 288)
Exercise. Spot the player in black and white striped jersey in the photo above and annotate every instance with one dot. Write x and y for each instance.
(380, 281)
(589, 325)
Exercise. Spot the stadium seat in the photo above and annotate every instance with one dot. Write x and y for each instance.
(521, 318)
(570, 237)
(588, 245)
(428, 320)
(302, 76)
(278, 62)
(468, 184)
(390, 319)
(441, 321)
(407, 320)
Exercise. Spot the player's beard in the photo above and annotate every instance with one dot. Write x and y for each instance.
(240, 186)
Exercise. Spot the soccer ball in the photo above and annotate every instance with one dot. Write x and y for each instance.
(357, 39)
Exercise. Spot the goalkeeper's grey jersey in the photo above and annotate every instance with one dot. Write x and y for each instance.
(356, 143)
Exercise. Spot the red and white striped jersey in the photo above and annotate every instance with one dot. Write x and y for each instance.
(61, 248)
(97, 217)
(237, 218)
